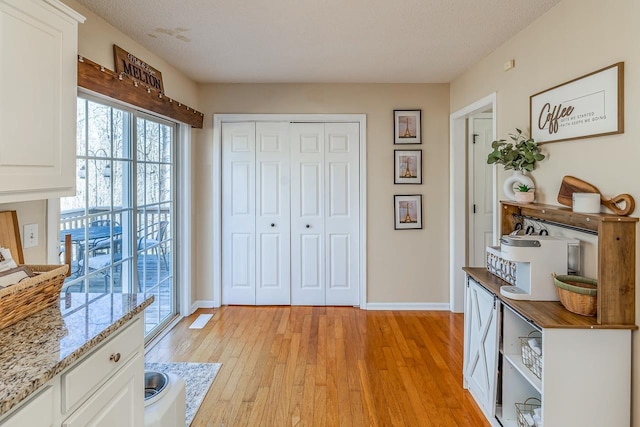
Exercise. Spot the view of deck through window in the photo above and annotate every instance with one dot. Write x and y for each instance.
(122, 216)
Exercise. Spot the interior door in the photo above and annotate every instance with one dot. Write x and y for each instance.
(480, 188)
(238, 213)
(307, 214)
(341, 213)
(273, 284)
(481, 346)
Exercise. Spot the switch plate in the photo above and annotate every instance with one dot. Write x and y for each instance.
(30, 235)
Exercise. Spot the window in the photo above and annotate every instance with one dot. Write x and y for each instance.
(121, 219)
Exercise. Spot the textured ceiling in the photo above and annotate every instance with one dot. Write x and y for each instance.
(332, 41)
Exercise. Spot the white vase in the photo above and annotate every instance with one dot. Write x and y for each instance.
(511, 183)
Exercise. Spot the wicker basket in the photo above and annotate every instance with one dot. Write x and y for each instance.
(578, 294)
(530, 358)
(33, 294)
(525, 408)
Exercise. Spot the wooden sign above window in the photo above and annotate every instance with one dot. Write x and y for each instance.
(137, 69)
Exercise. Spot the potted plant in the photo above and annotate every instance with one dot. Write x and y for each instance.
(524, 193)
(520, 155)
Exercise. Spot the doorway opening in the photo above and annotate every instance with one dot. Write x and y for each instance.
(459, 208)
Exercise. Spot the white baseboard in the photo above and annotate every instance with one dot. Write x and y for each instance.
(407, 306)
(202, 304)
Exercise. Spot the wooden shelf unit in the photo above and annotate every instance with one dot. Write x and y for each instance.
(616, 253)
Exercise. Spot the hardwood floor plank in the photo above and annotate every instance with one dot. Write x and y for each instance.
(327, 366)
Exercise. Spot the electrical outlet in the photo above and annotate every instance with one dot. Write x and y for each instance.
(30, 235)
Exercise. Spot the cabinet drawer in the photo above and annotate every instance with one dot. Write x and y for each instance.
(104, 362)
(36, 412)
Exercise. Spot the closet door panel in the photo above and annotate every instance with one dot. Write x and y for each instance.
(238, 213)
(273, 272)
(308, 270)
(342, 210)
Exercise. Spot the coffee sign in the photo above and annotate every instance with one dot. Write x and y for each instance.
(138, 70)
(591, 105)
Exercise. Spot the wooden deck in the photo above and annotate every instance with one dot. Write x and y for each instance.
(333, 366)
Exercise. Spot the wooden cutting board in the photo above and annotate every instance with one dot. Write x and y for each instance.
(10, 235)
(572, 185)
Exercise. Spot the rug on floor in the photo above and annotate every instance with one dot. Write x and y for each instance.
(198, 377)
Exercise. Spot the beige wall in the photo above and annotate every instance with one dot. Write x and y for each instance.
(573, 39)
(403, 266)
(96, 38)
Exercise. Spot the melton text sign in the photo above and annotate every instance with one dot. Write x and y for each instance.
(591, 105)
(138, 70)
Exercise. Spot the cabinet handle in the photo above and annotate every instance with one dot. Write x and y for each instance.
(308, 226)
(272, 224)
(115, 357)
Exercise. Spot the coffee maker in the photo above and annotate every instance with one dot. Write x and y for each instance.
(536, 258)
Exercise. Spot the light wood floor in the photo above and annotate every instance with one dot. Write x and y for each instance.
(317, 366)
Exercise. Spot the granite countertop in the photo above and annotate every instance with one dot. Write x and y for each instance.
(39, 347)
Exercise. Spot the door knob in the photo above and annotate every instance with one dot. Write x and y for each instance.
(308, 226)
(272, 224)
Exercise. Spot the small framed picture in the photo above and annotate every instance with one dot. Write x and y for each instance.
(408, 211)
(408, 167)
(407, 126)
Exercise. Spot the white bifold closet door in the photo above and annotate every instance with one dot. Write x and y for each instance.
(325, 214)
(256, 214)
(290, 213)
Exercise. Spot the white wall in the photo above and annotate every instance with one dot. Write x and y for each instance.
(574, 38)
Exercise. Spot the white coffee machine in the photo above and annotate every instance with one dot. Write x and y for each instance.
(536, 258)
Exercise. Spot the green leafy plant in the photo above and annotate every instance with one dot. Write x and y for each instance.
(521, 154)
(524, 188)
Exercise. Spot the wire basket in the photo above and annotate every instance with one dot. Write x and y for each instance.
(526, 408)
(530, 357)
(498, 266)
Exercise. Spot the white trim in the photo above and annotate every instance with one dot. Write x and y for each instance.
(458, 198)
(202, 304)
(409, 306)
(156, 339)
(185, 240)
(218, 119)
(53, 231)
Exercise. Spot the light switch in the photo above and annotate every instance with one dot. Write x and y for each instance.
(30, 235)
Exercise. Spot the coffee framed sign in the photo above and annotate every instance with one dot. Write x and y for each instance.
(591, 105)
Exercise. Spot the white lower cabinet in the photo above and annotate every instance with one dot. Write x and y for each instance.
(102, 389)
(585, 371)
(36, 412)
(116, 403)
(481, 346)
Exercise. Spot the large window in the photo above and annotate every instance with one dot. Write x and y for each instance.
(121, 219)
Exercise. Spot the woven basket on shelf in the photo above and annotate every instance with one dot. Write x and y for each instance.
(31, 295)
(577, 294)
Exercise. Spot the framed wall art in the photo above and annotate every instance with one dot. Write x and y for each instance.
(407, 126)
(407, 167)
(591, 105)
(408, 211)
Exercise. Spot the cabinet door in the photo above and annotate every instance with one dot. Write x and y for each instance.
(38, 45)
(37, 412)
(481, 346)
(120, 402)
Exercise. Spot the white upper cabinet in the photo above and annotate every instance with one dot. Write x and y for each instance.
(38, 87)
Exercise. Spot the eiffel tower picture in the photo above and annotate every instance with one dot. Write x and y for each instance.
(408, 211)
(407, 126)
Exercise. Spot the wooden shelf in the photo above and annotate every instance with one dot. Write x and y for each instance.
(616, 253)
(543, 314)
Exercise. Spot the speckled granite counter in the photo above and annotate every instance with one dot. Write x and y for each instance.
(37, 348)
